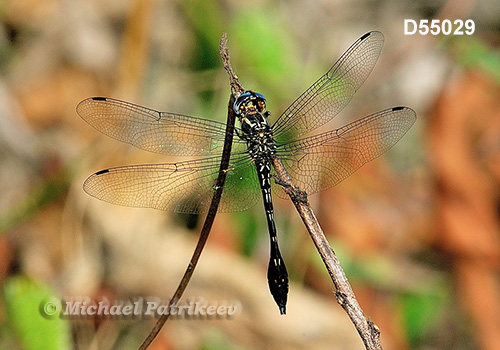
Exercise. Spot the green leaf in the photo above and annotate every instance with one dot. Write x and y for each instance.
(33, 312)
(472, 52)
(262, 47)
(249, 231)
(422, 312)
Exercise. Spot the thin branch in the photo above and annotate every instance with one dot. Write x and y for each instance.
(369, 332)
(233, 79)
(212, 211)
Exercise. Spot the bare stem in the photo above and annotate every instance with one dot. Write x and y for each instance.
(212, 211)
(233, 79)
(369, 332)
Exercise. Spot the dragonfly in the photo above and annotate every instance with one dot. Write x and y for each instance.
(314, 163)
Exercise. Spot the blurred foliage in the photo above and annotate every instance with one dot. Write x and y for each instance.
(423, 311)
(264, 50)
(44, 69)
(474, 53)
(218, 341)
(36, 327)
(49, 190)
(421, 303)
(250, 228)
(207, 31)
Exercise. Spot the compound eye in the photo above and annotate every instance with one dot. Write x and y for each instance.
(260, 96)
(241, 102)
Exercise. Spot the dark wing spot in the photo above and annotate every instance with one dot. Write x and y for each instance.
(365, 36)
(102, 172)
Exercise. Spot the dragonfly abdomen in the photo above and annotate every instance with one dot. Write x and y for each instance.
(277, 275)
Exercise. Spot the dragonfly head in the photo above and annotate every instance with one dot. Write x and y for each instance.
(250, 102)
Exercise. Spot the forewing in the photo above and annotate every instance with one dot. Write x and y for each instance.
(332, 92)
(151, 130)
(322, 161)
(184, 187)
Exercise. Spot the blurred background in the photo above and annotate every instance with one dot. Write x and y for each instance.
(417, 230)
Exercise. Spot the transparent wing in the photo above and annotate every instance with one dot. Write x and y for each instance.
(322, 161)
(332, 92)
(184, 187)
(151, 130)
